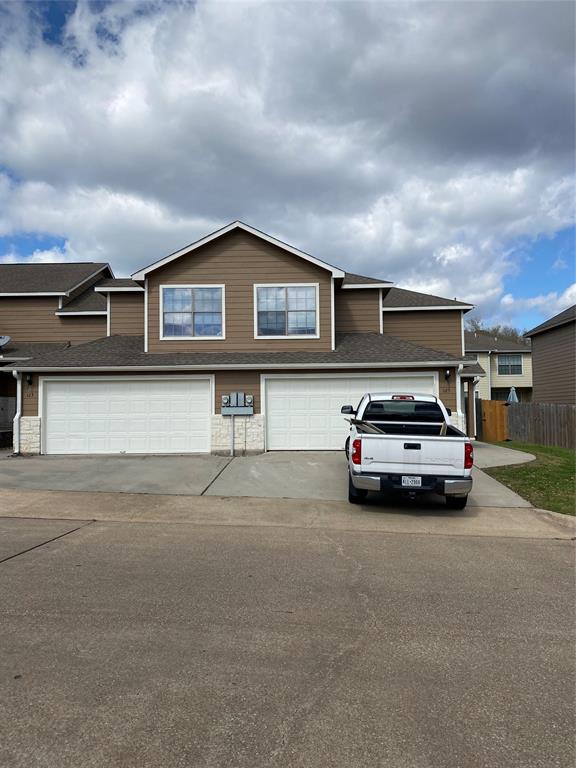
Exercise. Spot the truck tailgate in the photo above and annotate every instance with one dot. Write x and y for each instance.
(407, 454)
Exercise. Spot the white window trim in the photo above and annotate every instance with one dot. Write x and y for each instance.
(510, 354)
(192, 338)
(287, 285)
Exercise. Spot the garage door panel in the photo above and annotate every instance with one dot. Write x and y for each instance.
(153, 416)
(304, 413)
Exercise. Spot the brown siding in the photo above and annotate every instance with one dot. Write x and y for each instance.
(238, 381)
(33, 319)
(554, 365)
(244, 381)
(440, 330)
(127, 314)
(357, 311)
(30, 396)
(239, 260)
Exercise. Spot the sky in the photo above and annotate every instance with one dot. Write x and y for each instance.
(431, 144)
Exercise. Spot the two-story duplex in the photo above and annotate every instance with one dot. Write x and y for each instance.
(235, 311)
(507, 362)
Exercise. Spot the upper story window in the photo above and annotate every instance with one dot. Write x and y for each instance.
(192, 311)
(509, 365)
(286, 311)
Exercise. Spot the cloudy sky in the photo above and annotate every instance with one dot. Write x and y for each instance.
(427, 143)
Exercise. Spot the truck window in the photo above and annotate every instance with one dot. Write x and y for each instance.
(403, 410)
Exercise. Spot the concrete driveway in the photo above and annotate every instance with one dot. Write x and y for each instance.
(291, 475)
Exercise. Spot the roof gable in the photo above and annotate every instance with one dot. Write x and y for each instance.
(562, 318)
(236, 225)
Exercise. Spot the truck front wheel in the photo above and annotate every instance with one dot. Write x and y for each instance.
(355, 495)
(456, 502)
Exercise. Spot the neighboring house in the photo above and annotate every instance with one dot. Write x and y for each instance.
(508, 363)
(554, 359)
(235, 311)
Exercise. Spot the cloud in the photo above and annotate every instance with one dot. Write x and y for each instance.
(416, 142)
(547, 305)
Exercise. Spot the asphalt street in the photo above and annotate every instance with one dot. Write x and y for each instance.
(174, 644)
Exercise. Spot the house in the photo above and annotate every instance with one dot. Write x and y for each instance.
(554, 359)
(236, 311)
(507, 362)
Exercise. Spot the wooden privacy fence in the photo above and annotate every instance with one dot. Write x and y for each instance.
(542, 423)
(494, 421)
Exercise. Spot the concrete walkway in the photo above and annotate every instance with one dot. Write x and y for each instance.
(487, 455)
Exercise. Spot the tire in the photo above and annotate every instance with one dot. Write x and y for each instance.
(456, 502)
(355, 495)
(347, 447)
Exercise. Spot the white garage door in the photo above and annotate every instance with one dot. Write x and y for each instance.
(304, 413)
(126, 416)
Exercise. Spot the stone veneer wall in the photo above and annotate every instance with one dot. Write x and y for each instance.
(29, 434)
(248, 434)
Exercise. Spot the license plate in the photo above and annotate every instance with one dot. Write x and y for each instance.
(410, 481)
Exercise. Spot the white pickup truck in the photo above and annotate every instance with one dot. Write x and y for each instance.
(405, 442)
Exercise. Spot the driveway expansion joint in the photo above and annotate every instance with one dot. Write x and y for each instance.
(48, 541)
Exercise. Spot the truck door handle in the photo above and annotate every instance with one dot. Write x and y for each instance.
(412, 446)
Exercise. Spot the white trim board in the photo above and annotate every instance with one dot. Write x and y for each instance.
(459, 307)
(115, 289)
(383, 284)
(141, 274)
(247, 367)
(86, 313)
(31, 294)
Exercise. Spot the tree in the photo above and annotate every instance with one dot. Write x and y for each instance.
(475, 325)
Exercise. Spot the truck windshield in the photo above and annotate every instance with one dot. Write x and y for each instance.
(402, 410)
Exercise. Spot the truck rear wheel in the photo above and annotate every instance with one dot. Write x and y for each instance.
(355, 495)
(456, 502)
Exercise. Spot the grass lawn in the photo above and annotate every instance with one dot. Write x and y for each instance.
(547, 483)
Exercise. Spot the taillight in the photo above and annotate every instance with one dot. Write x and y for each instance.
(468, 456)
(357, 451)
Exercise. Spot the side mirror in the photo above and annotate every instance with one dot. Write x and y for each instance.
(347, 409)
(449, 411)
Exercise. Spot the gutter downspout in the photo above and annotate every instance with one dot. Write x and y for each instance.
(459, 411)
(16, 431)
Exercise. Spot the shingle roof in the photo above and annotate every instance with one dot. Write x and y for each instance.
(472, 367)
(563, 317)
(363, 349)
(476, 341)
(89, 301)
(26, 350)
(119, 282)
(46, 278)
(351, 279)
(400, 298)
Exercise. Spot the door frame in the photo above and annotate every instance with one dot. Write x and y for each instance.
(43, 381)
(264, 377)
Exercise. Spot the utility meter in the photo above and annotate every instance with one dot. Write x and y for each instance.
(237, 404)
